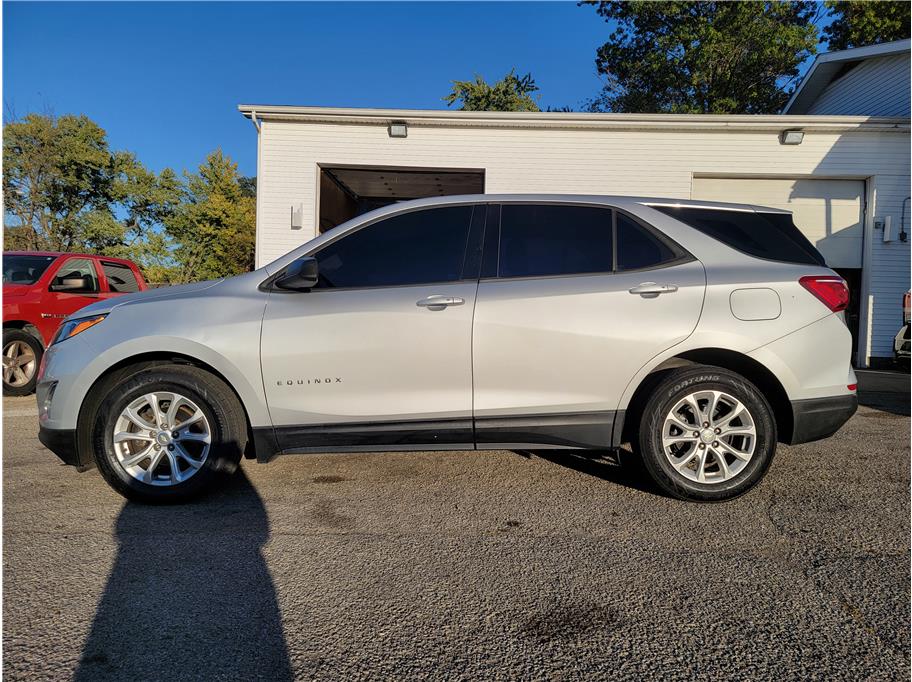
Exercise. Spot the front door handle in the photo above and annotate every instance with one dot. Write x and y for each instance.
(439, 302)
(651, 289)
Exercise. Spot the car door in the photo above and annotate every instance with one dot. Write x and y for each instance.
(74, 285)
(573, 300)
(378, 354)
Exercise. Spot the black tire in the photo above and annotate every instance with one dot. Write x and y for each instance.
(12, 336)
(225, 415)
(676, 385)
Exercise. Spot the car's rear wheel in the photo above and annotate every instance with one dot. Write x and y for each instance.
(707, 434)
(168, 433)
(21, 356)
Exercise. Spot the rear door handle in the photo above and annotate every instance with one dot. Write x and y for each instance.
(439, 301)
(653, 289)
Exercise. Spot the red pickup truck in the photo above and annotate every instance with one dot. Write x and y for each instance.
(40, 289)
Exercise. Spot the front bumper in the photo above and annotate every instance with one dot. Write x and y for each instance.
(62, 442)
(818, 418)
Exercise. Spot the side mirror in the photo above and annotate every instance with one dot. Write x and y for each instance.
(71, 283)
(301, 275)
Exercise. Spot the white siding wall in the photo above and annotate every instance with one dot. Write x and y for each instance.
(876, 87)
(890, 272)
(626, 162)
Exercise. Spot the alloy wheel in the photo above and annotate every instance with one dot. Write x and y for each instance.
(19, 363)
(709, 436)
(162, 438)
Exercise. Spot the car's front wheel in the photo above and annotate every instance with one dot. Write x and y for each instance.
(168, 433)
(707, 434)
(21, 356)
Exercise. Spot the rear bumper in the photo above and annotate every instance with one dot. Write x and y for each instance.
(820, 417)
(62, 442)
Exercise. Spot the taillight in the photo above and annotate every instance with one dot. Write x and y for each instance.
(831, 291)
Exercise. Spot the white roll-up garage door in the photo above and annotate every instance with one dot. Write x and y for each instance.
(829, 212)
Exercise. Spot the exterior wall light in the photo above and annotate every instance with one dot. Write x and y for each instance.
(398, 130)
(791, 137)
(297, 216)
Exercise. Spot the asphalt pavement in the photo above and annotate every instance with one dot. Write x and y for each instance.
(462, 565)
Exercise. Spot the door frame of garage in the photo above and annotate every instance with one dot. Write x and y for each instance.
(321, 165)
(862, 354)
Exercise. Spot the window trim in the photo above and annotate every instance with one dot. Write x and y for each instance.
(681, 254)
(474, 244)
(491, 242)
(269, 283)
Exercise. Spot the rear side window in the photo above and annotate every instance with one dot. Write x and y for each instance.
(637, 248)
(543, 240)
(419, 247)
(120, 278)
(771, 236)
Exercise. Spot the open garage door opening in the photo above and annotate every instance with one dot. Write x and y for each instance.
(346, 192)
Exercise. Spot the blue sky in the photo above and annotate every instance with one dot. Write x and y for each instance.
(165, 79)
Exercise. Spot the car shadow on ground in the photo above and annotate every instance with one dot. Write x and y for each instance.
(885, 391)
(189, 584)
(617, 466)
(885, 401)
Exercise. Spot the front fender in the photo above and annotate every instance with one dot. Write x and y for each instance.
(76, 368)
(249, 388)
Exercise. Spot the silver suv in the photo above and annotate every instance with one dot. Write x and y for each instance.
(700, 333)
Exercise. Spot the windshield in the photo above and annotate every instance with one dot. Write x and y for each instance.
(25, 269)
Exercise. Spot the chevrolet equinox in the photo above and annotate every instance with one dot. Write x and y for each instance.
(701, 333)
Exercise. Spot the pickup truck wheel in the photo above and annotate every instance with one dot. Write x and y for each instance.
(168, 433)
(707, 434)
(21, 356)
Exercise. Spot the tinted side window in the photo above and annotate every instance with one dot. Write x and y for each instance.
(638, 248)
(71, 271)
(419, 247)
(541, 240)
(769, 236)
(120, 278)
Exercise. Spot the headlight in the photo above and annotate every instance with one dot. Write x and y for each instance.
(71, 328)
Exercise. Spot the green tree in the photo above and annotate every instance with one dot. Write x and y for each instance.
(511, 93)
(867, 22)
(65, 190)
(248, 186)
(702, 57)
(215, 224)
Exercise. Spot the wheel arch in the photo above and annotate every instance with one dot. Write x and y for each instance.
(127, 367)
(752, 370)
(26, 326)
